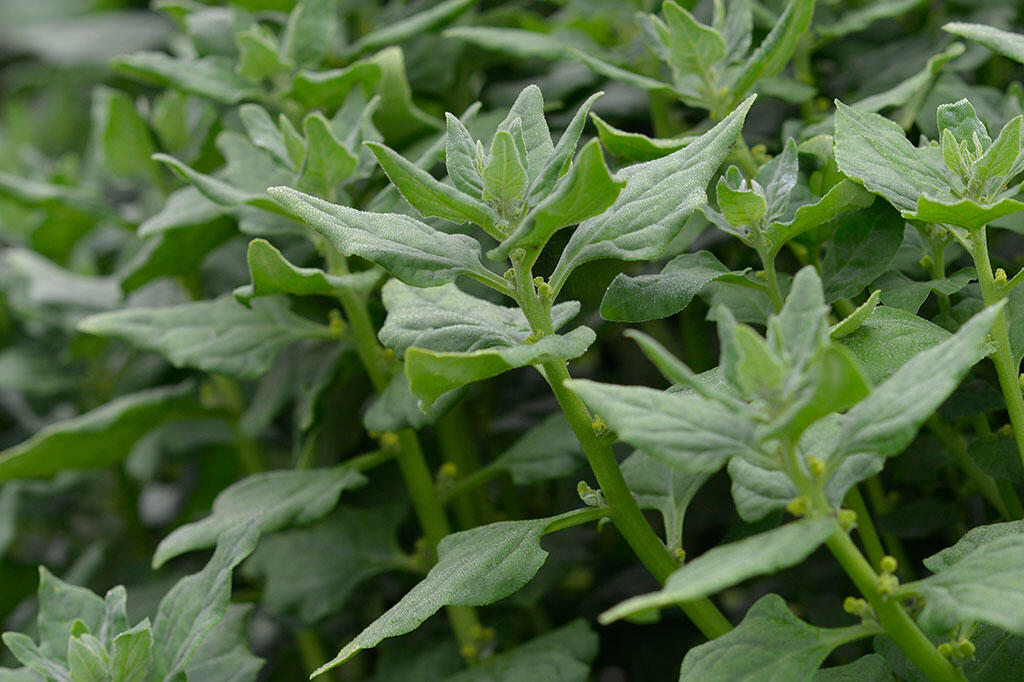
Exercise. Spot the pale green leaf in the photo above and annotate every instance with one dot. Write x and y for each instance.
(692, 46)
(88, 661)
(328, 161)
(259, 54)
(218, 190)
(285, 498)
(130, 654)
(658, 197)
(889, 338)
(412, 251)
(546, 451)
(529, 109)
(963, 213)
(687, 432)
(843, 196)
(972, 540)
(869, 668)
(1002, 42)
(731, 564)
(224, 655)
(122, 136)
(311, 27)
(211, 77)
(859, 18)
(396, 408)
(411, 26)
(630, 78)
(460, 158)
(661, 487)
(198, 602)
(221, 335)
(430, 197)
(772, 55)
(635, 146)
(504, 174)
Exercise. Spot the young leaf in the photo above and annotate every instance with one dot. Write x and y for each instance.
(668, 490)
(284, 498)
(221, 335)
(97, 438)
(692, 46)
(557, 163)
(429, 196)
(311, 26)
(198, 602)
(654, 297)
(772, 55)
(635, 146)
(210, 77)
(460, 158)
(272, 274)
(529, 109)
(474, 567)
(770, 643)
(131, 653)
(843, 196)
(586, 191)
(687, 432)
(964, 213)
(433, 373)
(328, 161)
(265, 134)
(658, 196)
(412, 251)
(730, 564)
(87, 659)
(123, 138)
(504, 175)
(224, 655)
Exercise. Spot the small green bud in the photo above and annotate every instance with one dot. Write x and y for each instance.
(847, 519)
(1000, 276)
(590, 497)
(888, 564)
(388, 440)
(798, 506)
(854, 605)
(761, 275)
(680, 554)
(887, 584)
(816, 466)
(546, 291)
(1006, 430)
(945, 649)
(449, 470)
(510, 275)
(963, 649)
(335, 322)
(599, 426)
(927, 263)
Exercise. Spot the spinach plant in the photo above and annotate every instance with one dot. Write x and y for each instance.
(292, 290)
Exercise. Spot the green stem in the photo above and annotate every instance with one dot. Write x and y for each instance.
(248, 448)
(312, 652)
(1007, 368)
(454, 435)
(880, 503)
(890, 612)
(744, 157)
(937, 269)
(865, 527)
(955, 445)
(625, 512)
(771, 279)
(411, 462)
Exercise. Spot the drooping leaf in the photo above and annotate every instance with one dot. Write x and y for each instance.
(474, 567)
(770, 643)
(97, 438)
(211, 77)
(661, 487)
(999, 41)
(635, 146)
(221, 335)
(729, 564)
(285, 498)
(272, 274)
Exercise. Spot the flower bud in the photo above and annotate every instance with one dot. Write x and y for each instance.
(798, 506)
(888, 564)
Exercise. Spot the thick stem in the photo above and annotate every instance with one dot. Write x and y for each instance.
(1006, 365)
(891, 614)
(626, 514)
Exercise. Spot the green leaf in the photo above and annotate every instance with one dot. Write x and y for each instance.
(889, 338)
(770, 643)
(474, 567)
(772, 55)
(131, 653)
(557, 163)
(515, 42)
(731, 564)
(862, 247)
(218, 190)
(635, 146)
(962, 121)
(885, 422)
(311, 27)
(687, 432)
(25, 650)
(660, 487)
(870, 668)
(653, 297)
(328, 89)
(874, 151)
(587, 190)
(88, 661)
(857, 318)
(411, 26)
(562, 654)
(177, 251)
(61, 606)
(397, 408)
(740, 207)
(433, 373)
(529, 109)
(651, 209)
(1001, 42)
(504, 175)
(259, 54)
(328, 161)
(963, 213)
(692, 46)
(985, 585)
(972, 540)
(272, 274)
(224, 655)
(412, 251)
(285, 498)
(98, 438)
(339, 553)
(445, 318)
(198, 602)
(859, 18)
(210, 77)
(843, 196)
(430, 197)
(630, 78)
(899, 291)
(460, 158)
(122, 136)
(221, 335)
(547, 451)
